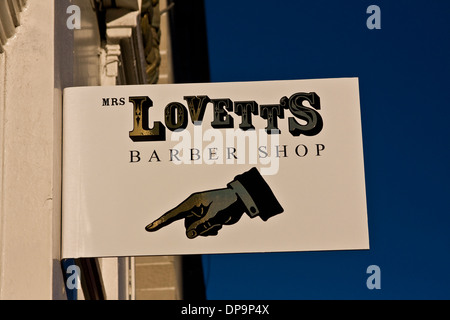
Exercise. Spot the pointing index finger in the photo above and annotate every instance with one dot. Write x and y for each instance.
(177, 213)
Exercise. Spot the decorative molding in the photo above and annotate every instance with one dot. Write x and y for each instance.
(131, 54)
(9, 19)
(151, 32)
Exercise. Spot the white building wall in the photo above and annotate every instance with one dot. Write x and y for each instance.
(30, 109)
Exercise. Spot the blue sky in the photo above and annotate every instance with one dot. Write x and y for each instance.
(403, 69)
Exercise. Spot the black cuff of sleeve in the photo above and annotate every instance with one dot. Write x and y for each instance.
(261, 193)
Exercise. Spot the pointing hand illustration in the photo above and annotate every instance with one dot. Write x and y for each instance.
(206, 212)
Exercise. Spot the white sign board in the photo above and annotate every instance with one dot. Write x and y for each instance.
(213, 168)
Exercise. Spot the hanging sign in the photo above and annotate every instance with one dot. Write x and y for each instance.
(213, 168)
